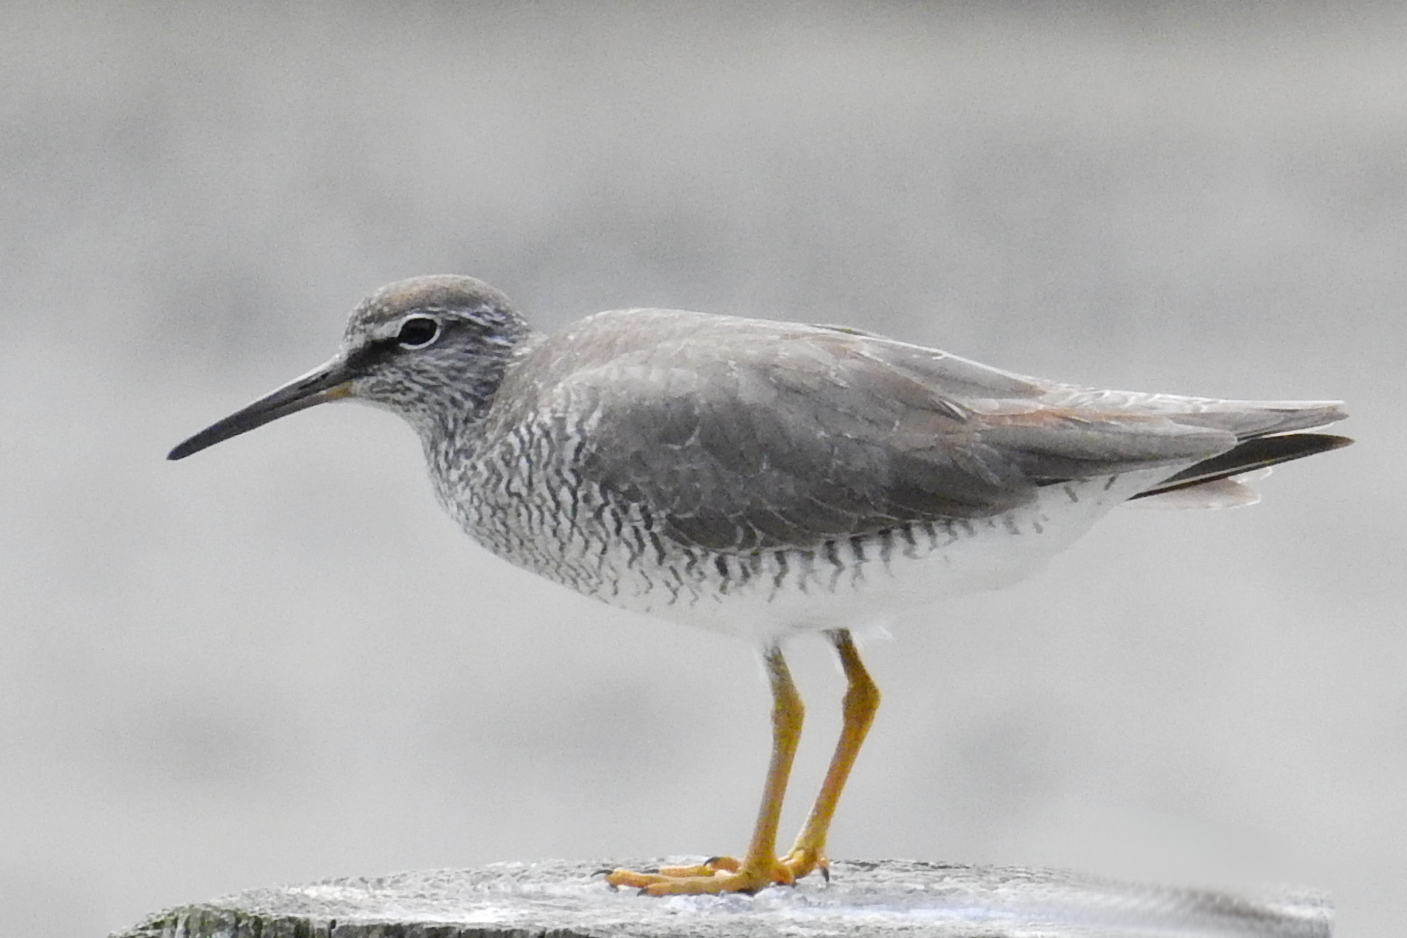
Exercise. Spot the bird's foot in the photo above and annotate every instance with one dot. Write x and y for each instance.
(712, 877)
(803, 861)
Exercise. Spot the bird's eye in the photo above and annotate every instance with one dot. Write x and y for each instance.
(418, 332)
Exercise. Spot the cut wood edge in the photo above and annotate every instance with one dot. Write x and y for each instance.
(875, 899)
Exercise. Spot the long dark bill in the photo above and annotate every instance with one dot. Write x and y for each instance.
(327, 383)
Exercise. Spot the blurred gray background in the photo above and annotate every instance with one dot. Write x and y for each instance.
(278, 662)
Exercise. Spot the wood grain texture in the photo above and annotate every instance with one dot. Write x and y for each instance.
(876, 899)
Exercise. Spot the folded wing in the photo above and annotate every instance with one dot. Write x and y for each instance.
(741, 435)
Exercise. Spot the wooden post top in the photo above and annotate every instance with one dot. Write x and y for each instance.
(871, 898)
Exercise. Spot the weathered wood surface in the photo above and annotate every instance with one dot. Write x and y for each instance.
(875, 899)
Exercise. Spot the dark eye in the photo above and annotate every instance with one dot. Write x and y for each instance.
(418, 332)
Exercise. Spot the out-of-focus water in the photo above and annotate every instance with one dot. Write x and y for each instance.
(277, 661)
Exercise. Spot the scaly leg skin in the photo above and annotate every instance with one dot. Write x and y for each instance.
(761, 868)
(808, 853)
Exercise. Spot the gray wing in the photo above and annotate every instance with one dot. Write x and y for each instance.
(744, 435)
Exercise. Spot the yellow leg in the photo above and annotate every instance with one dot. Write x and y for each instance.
(861, 702)
(760, 867)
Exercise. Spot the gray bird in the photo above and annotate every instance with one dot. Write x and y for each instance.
(766, 479)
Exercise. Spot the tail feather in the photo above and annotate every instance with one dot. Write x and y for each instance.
(1235, 492)
(1258, 452)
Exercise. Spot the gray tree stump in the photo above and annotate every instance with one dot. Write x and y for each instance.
(875, 899)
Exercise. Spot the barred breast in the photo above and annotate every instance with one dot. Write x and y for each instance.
(522, 499)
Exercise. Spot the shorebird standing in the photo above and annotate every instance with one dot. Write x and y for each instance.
(766, 478)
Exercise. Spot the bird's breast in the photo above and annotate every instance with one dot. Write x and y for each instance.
(524, 503)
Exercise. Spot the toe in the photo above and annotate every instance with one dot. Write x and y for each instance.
(803, 862)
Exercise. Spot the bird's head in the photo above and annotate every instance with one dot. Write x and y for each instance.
(432, 349)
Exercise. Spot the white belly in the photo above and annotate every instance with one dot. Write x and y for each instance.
(858, 584)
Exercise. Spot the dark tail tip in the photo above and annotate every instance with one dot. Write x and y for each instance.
(1250, 455)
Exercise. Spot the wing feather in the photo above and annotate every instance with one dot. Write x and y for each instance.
(745, 435)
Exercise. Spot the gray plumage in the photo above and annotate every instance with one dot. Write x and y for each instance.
(767, 478)
(743, 434)
(678, 448)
